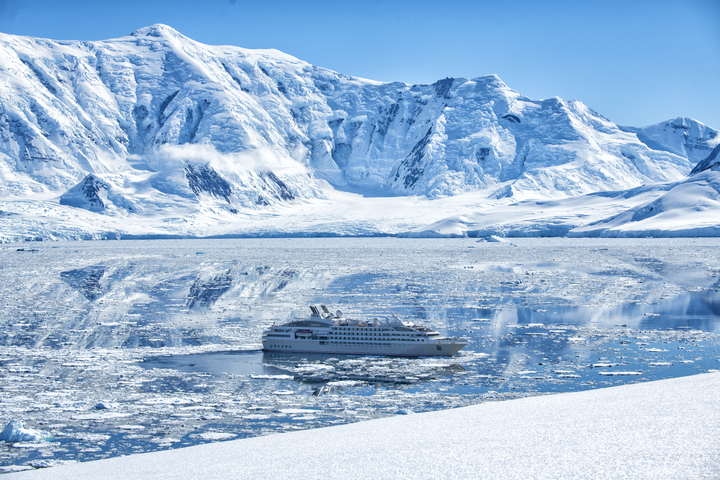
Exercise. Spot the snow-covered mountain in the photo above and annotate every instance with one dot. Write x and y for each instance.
(155, 127)
(688, 208)
(682, 136)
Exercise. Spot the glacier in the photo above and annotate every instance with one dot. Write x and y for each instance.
(154, 135)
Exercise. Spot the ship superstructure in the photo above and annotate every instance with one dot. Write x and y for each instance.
(325, 332)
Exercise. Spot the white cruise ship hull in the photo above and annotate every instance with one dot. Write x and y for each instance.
(441, 348)
(332, 334)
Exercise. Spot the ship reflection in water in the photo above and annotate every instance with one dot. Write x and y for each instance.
(323, 372)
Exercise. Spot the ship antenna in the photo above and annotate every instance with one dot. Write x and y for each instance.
(395, 317)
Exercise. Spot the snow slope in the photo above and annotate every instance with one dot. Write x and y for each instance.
(689, 208)
(187, 139)
(663, 429)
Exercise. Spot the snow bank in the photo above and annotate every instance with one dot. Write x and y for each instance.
(664, 429)
(690, 208)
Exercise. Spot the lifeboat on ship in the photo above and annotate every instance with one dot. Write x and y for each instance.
(303, 333)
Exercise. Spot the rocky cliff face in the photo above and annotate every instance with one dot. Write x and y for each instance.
(156, 117)
(712, 161)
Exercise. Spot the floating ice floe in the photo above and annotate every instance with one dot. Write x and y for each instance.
(298, 411)
(215, 436)
(47, 463)
(313, 367)
(493, 239)
(131, 427)
(618, 374)
(16, 432)
(343, 383)
(283, 392)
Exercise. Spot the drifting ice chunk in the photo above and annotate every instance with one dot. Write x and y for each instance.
(493, 239)
(15, 432)
(215, 436)
(47, 463)
(619, 374)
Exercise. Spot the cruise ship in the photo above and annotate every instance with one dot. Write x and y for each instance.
(325, 332)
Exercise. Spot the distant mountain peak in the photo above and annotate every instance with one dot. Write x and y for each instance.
(490, 79)
(158, 30)
(681, 136)
(683, 123)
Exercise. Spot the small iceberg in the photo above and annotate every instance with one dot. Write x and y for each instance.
(16, 432)
(493, 239)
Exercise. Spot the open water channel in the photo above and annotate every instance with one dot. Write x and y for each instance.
(121, 347)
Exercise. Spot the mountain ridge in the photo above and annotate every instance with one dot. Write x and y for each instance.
(159, 120)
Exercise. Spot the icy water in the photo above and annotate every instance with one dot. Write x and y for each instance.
(114, 348)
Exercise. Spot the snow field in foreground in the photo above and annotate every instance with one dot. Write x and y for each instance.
(663, 429)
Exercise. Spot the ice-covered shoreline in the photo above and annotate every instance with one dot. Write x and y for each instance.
(667, 212)
(662, 429)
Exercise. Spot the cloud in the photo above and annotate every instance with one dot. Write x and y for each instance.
(261, 159)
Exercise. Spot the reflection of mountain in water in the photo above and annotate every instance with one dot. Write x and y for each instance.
(711, 298)
(264, 281)
(697, 310)
(86, 280)
(205, 291)
(271, 280)
(285, 275)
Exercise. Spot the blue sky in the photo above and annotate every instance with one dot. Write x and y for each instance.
(636, 62)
